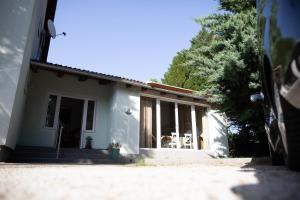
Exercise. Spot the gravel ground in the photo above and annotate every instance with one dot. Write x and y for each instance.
(218, 179)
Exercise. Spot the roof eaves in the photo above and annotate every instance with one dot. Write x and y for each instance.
(51, 66)
(178, 93)
(78, 71)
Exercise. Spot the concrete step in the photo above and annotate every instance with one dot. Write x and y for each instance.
(54, 150)
(175, 156)
(34, 149)
(68, 155)
(61, 155)
(60, 160)
(65, 161)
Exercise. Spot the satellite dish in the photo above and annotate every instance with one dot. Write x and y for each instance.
(51, 28)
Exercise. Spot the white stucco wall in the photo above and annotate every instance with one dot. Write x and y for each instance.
(19, 22)
(112, 123)
(217, 137)
(112, 101)
(125, 128)
(41, 85)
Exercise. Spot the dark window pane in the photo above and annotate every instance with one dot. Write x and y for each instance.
(90, 115)
(51, 111)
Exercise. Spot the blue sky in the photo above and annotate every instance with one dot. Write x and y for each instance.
(130, 38)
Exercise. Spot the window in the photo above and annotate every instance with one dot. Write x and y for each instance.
(90, 116)
(52, 100)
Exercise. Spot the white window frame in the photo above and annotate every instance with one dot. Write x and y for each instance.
(85, 115)
(57, 110)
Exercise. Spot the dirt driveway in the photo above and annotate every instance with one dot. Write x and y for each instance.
(217, 179)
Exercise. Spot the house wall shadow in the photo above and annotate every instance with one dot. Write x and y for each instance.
(273, 182)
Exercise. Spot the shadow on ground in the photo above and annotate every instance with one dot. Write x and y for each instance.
(273, 182)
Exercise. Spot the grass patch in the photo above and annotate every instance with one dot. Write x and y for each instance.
(140, 163)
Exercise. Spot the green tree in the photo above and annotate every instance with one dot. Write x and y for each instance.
(225, 58)
(154, 80)
(237, 6)
(181, 75)
(184, 74)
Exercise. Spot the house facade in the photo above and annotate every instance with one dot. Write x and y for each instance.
(109, 109)
(50, 105)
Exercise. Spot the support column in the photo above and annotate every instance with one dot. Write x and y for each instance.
(83, 123)
(177, 125)
(194, 127)
(158, 125)
(205, 129)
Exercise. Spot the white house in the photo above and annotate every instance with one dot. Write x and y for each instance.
(38, 98)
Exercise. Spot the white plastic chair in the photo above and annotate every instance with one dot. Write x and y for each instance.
(173, 143)
(187, 140)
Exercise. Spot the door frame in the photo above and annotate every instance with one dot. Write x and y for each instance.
(57, 111)
(57, 132)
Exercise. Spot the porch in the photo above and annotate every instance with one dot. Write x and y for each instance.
(168, 123)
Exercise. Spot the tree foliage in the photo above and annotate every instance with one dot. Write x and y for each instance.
(237, 6)
(222, 63)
